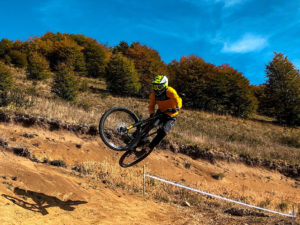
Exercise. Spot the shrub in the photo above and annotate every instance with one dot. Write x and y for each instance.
(95, 57)
(38, 67)
(5, 46)
(5, 84)
(218, 176)
(65, 84)
(122, 77)
(18, 58)
(283, 206)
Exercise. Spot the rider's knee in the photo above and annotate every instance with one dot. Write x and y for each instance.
(162, 132)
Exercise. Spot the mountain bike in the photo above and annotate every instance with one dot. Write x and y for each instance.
(122, 130)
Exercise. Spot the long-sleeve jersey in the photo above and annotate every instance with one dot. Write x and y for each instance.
(169, 99)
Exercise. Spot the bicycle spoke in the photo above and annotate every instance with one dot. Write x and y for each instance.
(114, 129)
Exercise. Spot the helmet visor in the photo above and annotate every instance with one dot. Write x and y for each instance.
(158, 87)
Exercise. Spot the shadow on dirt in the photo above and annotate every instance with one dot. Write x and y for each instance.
(42, 201)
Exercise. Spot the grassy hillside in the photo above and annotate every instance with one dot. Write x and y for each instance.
(256, 137)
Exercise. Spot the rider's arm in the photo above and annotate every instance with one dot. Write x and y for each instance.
(173, 95)
(152, 103)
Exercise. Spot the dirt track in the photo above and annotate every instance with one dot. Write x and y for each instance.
(36, 193)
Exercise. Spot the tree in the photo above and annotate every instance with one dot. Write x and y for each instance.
(67, 51)
(147, 62)
(60, 48)
(219, 89)
(232, 92)
(38, 67)
(65, 84)
(259, 94)
(5, 46)
(18, 58)
(95, 56)
(282, 92)
(190, 77)
(5, 84)
(122, 77)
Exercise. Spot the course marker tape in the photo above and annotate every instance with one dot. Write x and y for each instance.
(218, 196)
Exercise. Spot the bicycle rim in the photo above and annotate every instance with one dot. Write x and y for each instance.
(112, 128)
(132, 157)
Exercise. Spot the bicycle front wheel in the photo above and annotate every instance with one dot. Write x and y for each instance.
(112, 128)
(132, 157)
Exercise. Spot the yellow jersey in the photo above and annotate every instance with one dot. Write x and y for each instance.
(168, 99)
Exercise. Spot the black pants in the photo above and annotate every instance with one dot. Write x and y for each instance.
(167, 124)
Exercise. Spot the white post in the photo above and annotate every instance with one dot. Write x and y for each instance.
(294, 214)
(144, 171)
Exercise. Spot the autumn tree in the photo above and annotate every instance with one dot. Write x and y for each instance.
(219, 89)
(60, 48)
(18, 58)
(147, 62)
(282, 92)
(122, 77)
(232, 93)
(5, 84)
(38, 67)
(189, 76)
(68, 52)
(5, 47)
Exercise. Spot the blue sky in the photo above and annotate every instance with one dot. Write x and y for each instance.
(241, 33)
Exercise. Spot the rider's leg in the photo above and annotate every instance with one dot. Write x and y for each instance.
(168, 123)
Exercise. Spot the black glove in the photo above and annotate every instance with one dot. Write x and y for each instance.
(173, 110)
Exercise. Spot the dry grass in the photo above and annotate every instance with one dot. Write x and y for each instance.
(257, 137)
(111, 174)
(241, 136)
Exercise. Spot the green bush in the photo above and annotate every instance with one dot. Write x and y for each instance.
(18, 58)
(65, 84)
(95, 57)
(282, 92)
(283, 206)
(5, 84)
(5, 46)
(122, 77)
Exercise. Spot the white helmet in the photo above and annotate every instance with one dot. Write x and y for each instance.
(159, 84)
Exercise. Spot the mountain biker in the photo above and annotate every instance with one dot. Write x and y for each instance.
(168, 102)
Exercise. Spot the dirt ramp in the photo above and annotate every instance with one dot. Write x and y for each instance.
(33, 193)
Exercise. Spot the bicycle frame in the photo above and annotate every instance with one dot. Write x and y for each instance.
(145, 133)
(143, 121)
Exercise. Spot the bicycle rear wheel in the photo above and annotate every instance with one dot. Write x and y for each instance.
(132, 157)
(112, 128)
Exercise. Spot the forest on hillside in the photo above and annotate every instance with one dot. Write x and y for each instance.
(129, 69)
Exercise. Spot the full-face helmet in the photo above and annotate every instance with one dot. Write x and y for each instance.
(159, 84)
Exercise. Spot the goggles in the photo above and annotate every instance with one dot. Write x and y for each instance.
(158, 87)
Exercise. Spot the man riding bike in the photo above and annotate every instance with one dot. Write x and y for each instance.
(168, 102)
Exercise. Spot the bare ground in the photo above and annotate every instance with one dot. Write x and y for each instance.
(38, 193)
